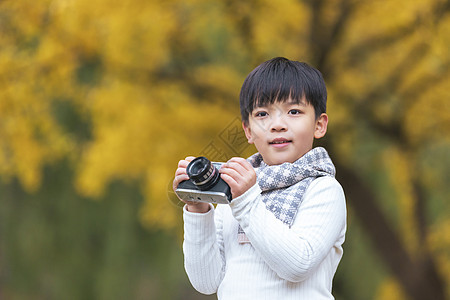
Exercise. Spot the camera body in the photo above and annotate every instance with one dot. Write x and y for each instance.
(204, 184)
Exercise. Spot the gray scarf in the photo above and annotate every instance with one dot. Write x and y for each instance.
(283, 186)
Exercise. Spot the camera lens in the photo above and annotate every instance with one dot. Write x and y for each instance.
(202, 172)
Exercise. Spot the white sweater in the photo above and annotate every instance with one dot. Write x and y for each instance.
(279, 262)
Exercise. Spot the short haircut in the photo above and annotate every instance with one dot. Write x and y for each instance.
(279, 79)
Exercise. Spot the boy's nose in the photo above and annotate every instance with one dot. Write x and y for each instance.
(278, 124)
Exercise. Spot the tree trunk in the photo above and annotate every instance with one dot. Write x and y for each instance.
(419, 278)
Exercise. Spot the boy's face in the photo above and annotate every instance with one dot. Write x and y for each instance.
(284, 131)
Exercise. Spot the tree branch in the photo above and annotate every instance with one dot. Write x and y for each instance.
(376, 43)
(322, 39)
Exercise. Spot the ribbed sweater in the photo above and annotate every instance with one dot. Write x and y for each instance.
(278, 262)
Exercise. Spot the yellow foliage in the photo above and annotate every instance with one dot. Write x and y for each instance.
(220, 78)
(29, 136)
(383, 17)
(281, 28)
(429, 117)
(390, 290)
(439, 243)
(124, 32)
(137, 132)
(160, 210)
(168, 79)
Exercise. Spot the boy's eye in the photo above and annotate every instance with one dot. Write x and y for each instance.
(294, 112)
(261, 114)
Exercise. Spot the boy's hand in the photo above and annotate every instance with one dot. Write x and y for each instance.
(239, 175)
(181, 175)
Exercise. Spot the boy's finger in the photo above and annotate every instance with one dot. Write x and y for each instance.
(237, 159)
(178, 179)
(181, 177)
(180, 171)
(230, 181)
(232, 173)
(233, 165)
(243, 162)
(184, 162)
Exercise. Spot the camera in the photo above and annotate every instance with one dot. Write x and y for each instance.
(204, 184)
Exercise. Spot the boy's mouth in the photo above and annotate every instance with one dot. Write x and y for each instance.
(280, 141)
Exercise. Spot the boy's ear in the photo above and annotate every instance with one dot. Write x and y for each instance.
(248, 132)
(321, 126)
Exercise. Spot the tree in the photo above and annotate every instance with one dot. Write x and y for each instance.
(124, 90)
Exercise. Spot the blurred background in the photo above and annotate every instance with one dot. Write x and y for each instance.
(100, 99)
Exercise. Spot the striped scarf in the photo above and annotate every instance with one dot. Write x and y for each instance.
(283, 186)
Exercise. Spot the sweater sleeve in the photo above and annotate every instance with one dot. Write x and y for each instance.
(203, 250)
(293, 253)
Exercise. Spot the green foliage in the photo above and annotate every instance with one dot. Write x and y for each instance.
(62, 246)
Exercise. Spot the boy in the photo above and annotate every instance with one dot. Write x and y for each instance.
(281, 235)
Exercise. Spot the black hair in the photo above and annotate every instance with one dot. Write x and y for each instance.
(278, 80)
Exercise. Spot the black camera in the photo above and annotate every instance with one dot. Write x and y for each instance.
(204, 184)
